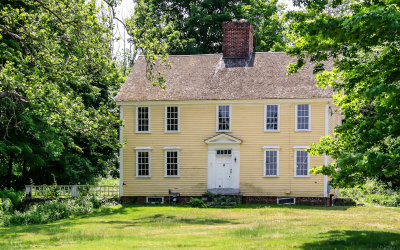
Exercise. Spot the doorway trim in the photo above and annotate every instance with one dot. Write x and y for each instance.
(223, 142)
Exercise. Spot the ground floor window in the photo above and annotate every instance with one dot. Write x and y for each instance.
(302, 162)
(142, 163)
(172, 163)
(271, 162)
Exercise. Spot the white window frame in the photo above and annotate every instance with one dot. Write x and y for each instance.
(137, 120)
(143, 149)
(309, 117)
(265, 118)
(271, 148)
(230, 118)
(166, 120)
(171, 149)
(301, 148)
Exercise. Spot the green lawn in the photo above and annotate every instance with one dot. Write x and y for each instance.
(246, 227)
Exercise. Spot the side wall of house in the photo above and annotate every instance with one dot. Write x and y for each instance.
(197, 123)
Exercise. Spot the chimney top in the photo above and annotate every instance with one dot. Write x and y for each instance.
(238, 39)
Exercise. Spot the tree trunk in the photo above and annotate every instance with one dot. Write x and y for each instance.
(9, 173)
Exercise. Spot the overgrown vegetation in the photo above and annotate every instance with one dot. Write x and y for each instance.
(373, 192)
(53, 210)
(58, 79)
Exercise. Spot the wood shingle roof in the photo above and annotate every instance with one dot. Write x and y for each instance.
(210, 77)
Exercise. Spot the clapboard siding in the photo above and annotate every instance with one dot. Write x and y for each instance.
(197, 123)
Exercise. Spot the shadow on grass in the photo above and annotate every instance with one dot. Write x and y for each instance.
(160, 220)
(349, 239)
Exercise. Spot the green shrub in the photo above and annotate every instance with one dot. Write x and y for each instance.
(14, 196)
(195, 202)
(373, 192)
(53, 210)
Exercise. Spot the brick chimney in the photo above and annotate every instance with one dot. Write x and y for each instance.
(238, 39)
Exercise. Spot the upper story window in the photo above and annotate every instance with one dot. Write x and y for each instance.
(302, 163)
(142, 120)
(271, 118)
(303, 115)
(223, 118)
(171, 119)
(143, 163)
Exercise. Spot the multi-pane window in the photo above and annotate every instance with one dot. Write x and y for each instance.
(271, 117)
(172, 119)
(143, 119)
(171, 163)
(303, 117)
(271, 163)
(302, 162)
(224, 152)
(224, 118)
(143, 163)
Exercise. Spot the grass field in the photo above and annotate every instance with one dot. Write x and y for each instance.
(247, 227)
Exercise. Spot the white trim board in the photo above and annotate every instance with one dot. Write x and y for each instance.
(221, 102)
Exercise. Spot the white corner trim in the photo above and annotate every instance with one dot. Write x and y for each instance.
(271, 147)
(121, 154)
(172, 148)
(300, 147)
(143, 148)
(326, 157)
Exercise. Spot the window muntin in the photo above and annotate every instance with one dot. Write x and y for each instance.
(271, 117)
(143, 163)
(143, 119)
(302, 163)
(224, 118)
(303, 117)
(271, 163)
(171, 163)
(224, 152)
(172, 119)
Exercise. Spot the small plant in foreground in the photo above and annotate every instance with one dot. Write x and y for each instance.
(195, 202)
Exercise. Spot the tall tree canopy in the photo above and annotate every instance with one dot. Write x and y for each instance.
(195, 27)
(363, 37)
(57, 115)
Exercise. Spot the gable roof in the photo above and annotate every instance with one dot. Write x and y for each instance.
(210, 77)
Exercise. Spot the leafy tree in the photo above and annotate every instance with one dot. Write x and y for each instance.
(57, 115)
(363, 39)
(196, 26)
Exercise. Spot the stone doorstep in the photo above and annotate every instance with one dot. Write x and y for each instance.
(224, 191)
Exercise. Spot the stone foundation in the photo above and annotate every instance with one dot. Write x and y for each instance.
(313, 201)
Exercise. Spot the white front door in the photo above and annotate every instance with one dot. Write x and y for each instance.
(223, 171)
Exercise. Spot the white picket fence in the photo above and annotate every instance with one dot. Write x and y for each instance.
(67, 191)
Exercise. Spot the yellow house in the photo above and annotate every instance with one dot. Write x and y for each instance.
(226, 123)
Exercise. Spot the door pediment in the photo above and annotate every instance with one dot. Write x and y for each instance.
(223, 139)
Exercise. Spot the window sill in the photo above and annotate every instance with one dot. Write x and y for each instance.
(269, 131)
(172, 132)
(174, 176)
(143, 132)
(137, 176)
(302, 130)
(271, 176)
(223, 131)
(302, 176)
